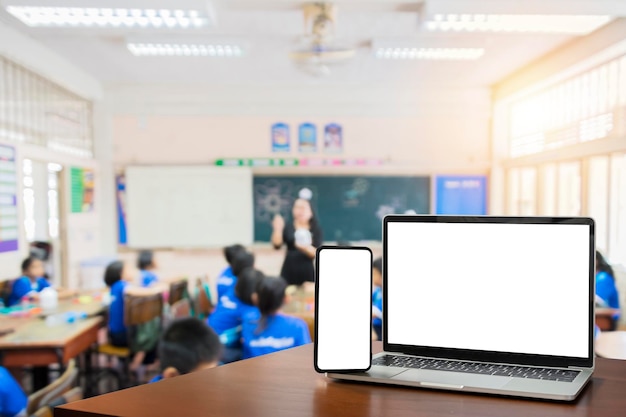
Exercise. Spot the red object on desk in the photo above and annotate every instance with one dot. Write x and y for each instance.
(285, 384)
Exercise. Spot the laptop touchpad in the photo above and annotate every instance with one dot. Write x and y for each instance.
(453, 378)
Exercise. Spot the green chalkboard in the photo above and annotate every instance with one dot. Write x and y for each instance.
(349, 208)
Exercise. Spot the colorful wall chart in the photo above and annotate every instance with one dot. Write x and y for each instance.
(82, 183)
(333, 138)
(9, 218)
(281, 141)
(307, 138)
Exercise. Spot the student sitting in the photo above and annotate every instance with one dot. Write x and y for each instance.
(30, 283)
(147, 265)
(187, 345)
(377, 297)
(240, 259)
(117, 277)
(606, 290)
(235, 308)
(273, 331)
(13, 400)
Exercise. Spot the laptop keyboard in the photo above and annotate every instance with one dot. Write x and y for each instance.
(549, 374)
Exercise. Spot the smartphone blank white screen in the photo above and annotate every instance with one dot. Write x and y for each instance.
(344, 309)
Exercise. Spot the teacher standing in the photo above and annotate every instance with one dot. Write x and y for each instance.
(302, 236)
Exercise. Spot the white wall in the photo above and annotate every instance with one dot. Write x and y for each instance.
(415, 131)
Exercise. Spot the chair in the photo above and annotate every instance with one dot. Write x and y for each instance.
(43, 412)
(5, 290)
(75, 394)
(138, 310)
(180, 309)
(178, 291)
(54, 389)
(203, 305)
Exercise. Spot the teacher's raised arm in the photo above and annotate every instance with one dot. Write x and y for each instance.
(302, 235)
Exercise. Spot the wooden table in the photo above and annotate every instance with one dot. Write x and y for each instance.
(285, 384)
(33, 343)
(611, 345)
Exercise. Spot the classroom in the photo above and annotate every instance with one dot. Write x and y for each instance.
(169, 168)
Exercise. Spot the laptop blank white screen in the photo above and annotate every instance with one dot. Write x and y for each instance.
(520, 288)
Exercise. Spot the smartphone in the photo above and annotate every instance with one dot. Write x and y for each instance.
(343, 309)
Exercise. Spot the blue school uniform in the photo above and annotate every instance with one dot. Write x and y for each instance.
(377, 306)
(156, 379)
(147, 278)
(606, 289)
(225, 282)
(377, 311)
(12, 398)
(116, 309)
(281, 332)
(23, 286)
(231, 313)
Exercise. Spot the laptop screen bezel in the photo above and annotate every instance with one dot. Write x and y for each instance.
(492, 356)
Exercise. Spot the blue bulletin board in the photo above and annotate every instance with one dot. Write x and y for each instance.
(461, 194)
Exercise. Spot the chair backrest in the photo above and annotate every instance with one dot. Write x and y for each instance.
(204, 305)
(54, 389)
(180, 309)
(5, 290)
(178, 290)
(140, 309)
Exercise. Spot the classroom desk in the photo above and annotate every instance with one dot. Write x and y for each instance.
(285, 384)
(611, 345)
(36, 344)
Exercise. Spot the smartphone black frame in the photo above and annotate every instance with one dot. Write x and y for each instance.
(317, 283)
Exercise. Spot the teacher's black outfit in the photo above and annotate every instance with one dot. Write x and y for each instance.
(298, 267)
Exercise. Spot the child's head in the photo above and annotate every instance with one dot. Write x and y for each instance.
(270, 295)
(32, 267)
(602, 265)
(145, 260)
(247, 283)
(116, 271)
(188, 345)
(241, 261)
(231, 251)
(377, 272)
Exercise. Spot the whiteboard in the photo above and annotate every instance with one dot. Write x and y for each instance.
(188, 206)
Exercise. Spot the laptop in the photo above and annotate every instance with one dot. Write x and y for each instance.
(497, 305)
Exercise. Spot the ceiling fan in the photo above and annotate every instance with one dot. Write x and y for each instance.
(319, 51)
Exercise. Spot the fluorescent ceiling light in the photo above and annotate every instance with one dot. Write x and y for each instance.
(450, 54)
(110, 17)
(184, 49)
(568, 24)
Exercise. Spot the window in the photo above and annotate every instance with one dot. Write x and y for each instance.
(617, 210)
(578, 109)
(569, 189)
(36, 111)
(548, 190)
(598, 198)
